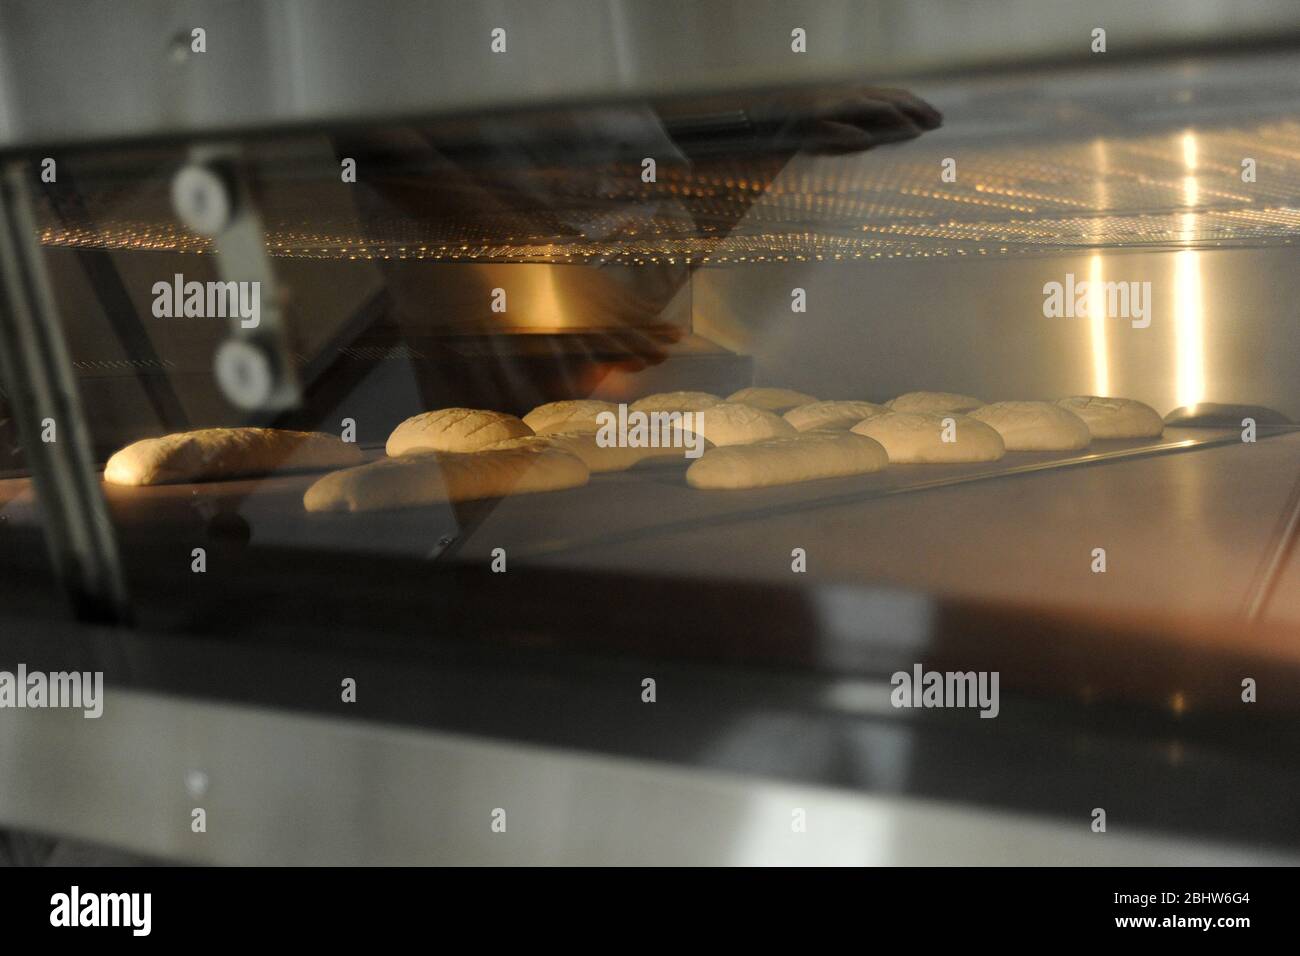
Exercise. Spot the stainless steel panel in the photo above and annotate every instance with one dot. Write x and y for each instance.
(1187, 533)
(1222, 328)
(82, 71)
(281, 789)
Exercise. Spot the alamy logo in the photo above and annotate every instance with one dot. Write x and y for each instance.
(922, 688)
(75, 690)
(74, 908)
(208, 300)
(636, 429)
(1113, 300)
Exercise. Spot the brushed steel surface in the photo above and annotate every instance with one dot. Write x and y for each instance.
(293, 790)
(84, 71)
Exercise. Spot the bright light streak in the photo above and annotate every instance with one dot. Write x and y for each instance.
(1097, 322)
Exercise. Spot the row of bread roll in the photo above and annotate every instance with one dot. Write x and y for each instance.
(1032, 426)
(947, 435)
(745, 417)
(489, 454)
(921, 427)
(1023, 425)
(457, 454)
(461, 454)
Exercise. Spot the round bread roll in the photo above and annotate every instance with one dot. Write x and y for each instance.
(597, 458)
(808, 456)
(933, 402)
(913, 438)
(1115, 417)
(454, 429)
(731, 423)
(675, 402)
(832, 415)
(1035, 426)
(772, 399)
(568, 416)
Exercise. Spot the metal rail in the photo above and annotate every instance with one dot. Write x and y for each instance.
(42, 389)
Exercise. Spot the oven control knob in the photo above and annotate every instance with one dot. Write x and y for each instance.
(246, 373)
(203, 198)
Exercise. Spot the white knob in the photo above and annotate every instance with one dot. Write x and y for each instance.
(245, 373)
(202, 199)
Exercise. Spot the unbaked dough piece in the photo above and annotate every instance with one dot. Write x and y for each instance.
(675, 402)
(832, 415)
(934, 402)
(917, 438)
(212, 454)
(1115, 417)
(1035, 426)
(808, 456)
(568, 416)
(731, 423)
(446, 476)
(454, 429)
(777, 400)
(597, 458)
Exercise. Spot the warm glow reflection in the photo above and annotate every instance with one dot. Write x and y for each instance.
(546, 309)
(1189, 151)
(1189, 309)
(1096, 291)
(1191, 199)
(1189, 326)
(1097, 321)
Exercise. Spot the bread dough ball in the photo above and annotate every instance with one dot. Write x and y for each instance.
(831, 415)
(428, 478)
(212, 454)
(772, 399)
(596, 457)
(934, 402)
(454, 429)
(808, 456)
(674, 402)
(1035, 426)
(731, 423)
(568, 416)
(918, 438)
(1115, 417)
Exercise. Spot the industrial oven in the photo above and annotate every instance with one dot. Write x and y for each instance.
(331, 217)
